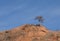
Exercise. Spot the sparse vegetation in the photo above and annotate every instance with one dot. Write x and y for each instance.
(30, 33)
(40, 19)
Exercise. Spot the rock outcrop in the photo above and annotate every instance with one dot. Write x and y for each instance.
(29, 32)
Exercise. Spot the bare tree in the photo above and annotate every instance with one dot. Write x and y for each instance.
(40, 19)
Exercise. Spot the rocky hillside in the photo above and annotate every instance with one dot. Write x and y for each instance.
(30, 32)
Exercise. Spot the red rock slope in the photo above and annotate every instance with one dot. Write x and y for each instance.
(28, 32)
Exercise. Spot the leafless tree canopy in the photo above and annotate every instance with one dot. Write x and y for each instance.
(39, 18)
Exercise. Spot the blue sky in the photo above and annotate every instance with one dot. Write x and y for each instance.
(15, 13)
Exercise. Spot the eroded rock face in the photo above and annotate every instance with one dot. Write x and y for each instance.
(27, 33)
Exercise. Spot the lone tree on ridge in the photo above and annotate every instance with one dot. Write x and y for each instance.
(40, 19)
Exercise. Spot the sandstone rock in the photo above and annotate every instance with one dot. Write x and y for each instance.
(28, 32)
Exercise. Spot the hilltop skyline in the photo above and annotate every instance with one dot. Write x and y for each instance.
(15, 13)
